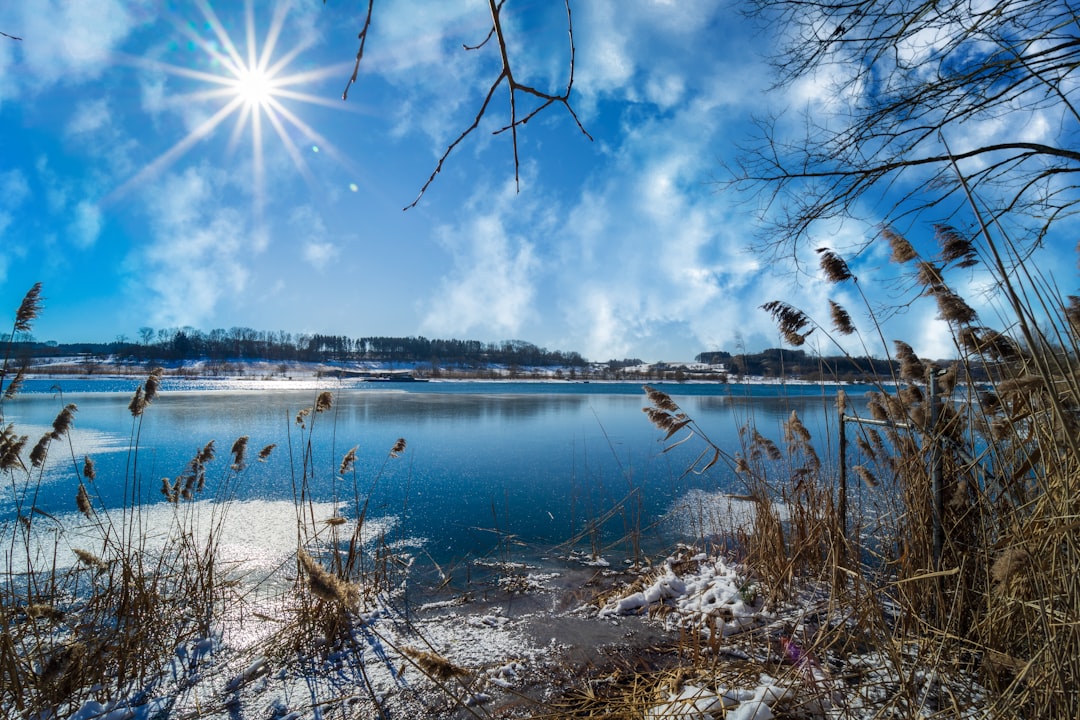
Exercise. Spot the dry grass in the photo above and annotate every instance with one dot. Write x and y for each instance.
(993, 603)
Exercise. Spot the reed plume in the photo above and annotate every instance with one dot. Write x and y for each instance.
(324, 401)
(866, 476)
(145, 393)
(929, 276)
(167, 490)
(138, 402)
(82, 501)
(239, 449)
(953, 308)
(89, 471)
(902, 251)
(40, 451)
(790, 320)
(399, 447)
(841, 319)
(660, 399)
(911, 367)
(349, 461)
(89, 559)
(153, 381)
(29, 309)
(835, 268)
(265, 452)
(63, 421)
(327, 586)
(11, 447)
(206, 454)
(433, 664)
(16, 382)
(955, 246)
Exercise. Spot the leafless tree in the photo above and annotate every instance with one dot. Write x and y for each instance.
(919, 85)
(518, 91)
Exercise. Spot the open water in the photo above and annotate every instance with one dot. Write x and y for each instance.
(490, 469)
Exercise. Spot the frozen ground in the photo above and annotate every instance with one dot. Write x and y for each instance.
(694, 635)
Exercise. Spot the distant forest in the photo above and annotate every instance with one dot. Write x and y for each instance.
(220, 347)
(240, 344)
(777, 362)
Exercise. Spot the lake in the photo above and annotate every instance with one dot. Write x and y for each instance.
(491, 469)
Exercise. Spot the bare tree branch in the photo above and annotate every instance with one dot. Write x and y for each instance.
(908, 74)
(360, 51)
(10, 36)
(515, 89)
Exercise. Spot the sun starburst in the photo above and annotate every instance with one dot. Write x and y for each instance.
(255, 88)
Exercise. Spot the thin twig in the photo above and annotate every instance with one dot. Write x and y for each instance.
(360, 51)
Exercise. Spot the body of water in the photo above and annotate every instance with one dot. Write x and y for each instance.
(513, 469)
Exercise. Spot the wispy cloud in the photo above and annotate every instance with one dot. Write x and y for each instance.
(86, 225)
(308, 226)
(200, 252)
(63, 42)
(491, 288)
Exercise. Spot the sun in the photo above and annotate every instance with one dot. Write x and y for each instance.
(255, 89)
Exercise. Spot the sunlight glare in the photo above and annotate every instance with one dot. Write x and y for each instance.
(251, 89)
(254, 87)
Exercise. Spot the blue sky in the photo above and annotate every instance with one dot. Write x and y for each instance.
(132, 185)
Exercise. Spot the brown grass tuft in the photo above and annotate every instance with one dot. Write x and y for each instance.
(45, 611)
(1011, 571)
(89, 471)
(1072, 314)
(324, 401)
(265, 452)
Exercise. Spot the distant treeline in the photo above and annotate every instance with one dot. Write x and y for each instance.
(777, 362)
(239, 344)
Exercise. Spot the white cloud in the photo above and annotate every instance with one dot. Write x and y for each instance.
(63, 41)
(90, 117)
(307, 225)
(319, 254)
(86, 226)
(198, 257)
(14, 191)
(492, 286)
